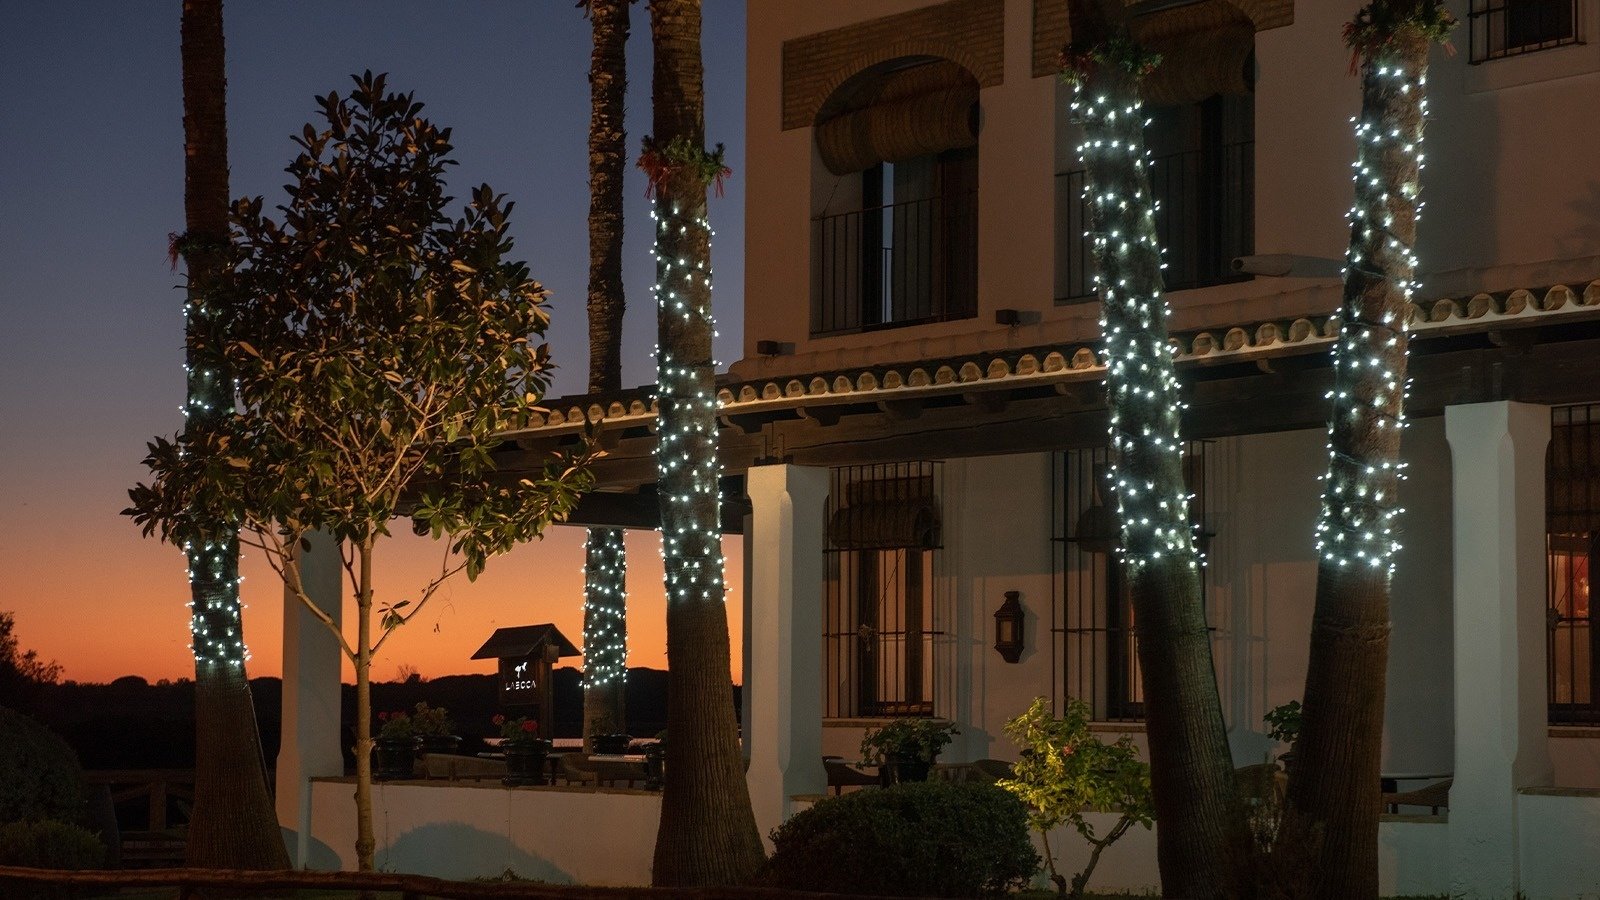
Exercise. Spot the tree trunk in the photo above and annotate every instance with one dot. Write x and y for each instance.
(365, 842)
(605, 622)
(1334, 792)
(233, 824)
(707, 833)
(1191, 767)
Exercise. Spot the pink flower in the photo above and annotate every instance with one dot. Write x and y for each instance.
(499, 719)
(531, 727)
(383, 717)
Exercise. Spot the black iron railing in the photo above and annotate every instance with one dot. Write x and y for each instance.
(900, 264)
(1572, 514)
(1501, 28)
(1204, 218)
(881, 618)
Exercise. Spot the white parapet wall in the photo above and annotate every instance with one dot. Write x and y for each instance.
(476, 829)
(1557, 831)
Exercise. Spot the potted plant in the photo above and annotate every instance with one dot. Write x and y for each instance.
(904, 750)
(526, 752)
(1283, 726)
(433, 728)
(394, 752)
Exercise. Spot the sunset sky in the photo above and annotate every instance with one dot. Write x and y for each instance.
(91, 340)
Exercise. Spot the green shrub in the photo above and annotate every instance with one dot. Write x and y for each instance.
(47, 845)
(39, 773)
(933, 839)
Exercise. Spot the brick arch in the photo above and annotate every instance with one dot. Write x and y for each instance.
(967, 32)
(1052, 28)
(861, 63)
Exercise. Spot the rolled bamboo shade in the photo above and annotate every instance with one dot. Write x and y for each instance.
(898, 115)
(1205, 49)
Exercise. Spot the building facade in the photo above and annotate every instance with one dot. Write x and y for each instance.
(917, 429)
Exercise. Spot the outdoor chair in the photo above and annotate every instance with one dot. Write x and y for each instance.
(1435, 796)
(842, 775)
(575, 768)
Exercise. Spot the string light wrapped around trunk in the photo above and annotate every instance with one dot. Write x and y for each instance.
(605, 603)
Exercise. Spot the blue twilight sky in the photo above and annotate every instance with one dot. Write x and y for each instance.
(90, 323)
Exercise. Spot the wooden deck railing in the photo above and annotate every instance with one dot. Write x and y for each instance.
(161, 840)
(410, 887)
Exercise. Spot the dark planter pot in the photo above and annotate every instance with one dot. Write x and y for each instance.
(440, 743)
(903, 770)
(655, 766)
(614, 744)
(525, 762)
(393, 759)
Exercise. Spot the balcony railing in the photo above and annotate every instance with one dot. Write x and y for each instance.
(1205, 217)
(899, 264)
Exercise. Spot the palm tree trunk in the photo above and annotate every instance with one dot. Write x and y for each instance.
(1191, 767)
(1334, 790)
(233, 825)
(707, 834)
(605, 622)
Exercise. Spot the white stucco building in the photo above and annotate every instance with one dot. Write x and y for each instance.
(918, 417)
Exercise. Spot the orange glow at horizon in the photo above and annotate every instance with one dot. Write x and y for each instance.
(130, 617)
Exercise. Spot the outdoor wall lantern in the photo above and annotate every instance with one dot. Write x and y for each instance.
(1008, 628)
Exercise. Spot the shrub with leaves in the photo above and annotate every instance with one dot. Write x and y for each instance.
(39, 773)
(47, 845)
(1066, 772)
(380, 347)
(925, 839)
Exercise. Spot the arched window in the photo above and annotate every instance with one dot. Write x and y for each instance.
(894, 236)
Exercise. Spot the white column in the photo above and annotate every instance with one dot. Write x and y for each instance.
(312, 664)
(783, 630)
(1501, 742)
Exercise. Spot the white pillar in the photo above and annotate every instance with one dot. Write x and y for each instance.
(783, 630)
(312, 666)
(1501, 742)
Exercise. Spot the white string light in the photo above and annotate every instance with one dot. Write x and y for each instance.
(216, 630)
(1356, 527)
(691, 546)
(1140, 375)
(605, 603)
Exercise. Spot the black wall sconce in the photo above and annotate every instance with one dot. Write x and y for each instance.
(1008, 635)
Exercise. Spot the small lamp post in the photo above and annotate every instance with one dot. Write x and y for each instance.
(1008, 628)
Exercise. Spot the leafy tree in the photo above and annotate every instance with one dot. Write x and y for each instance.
(708, 833)
(1191, 767)
(1334, 790)
(378, 348)
(22, 673)
(1066, 772)
(605, 602)
(233, 825)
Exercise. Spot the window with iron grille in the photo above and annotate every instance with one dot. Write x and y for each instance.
(881, 617)
(1501, 28)
(1572, 512)
(1202, 176)
(1094, 635)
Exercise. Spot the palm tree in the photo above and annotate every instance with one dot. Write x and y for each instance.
(708, 833)
(1191, 767)
(1334, 793)
(605, 620)
(233, 824)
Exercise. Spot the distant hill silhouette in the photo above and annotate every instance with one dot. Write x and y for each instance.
(133, 724)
